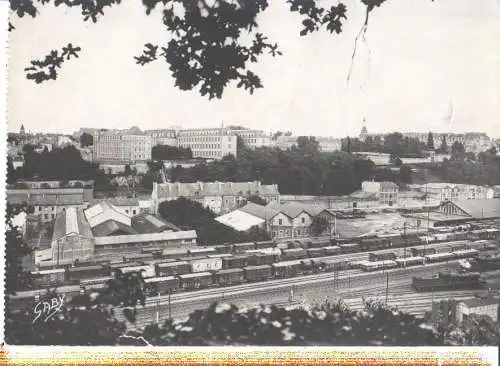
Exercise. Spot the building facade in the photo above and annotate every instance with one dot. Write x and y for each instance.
(253, 138)
(163, 137)
(220, 197)
(486, 306)
(128, 146)
(386, 192)
(208, 143)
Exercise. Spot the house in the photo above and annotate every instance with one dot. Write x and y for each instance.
(442, 192)
(220, 197)
(131, 206)
(386, 192)
(479, 306)
(241, 221)
(292, 220)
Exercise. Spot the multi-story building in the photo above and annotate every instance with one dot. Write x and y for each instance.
(329, 144)
(48, 202)
(127, 146)
(253, 138)
(441, 192)
(386, 192)
(208, 143)
(163, 137)
(220, 197)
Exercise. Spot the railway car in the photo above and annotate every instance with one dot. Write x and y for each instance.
(174, 253)
(228, 277)
(205, 264)
(202, 251)
(410, 261)
(79, 273)
(49, 277)
(282, 246)
(138, 257)
(196, 280)
(161, 285)
(258, 273)
(329, 265)
(466, 253)
(287, 269)
(223, 249)
(376, 257)
(308, 266)
(374, 266)
(422, 252)
(242, 247)
(292, 254)
(293, 244)
(258, 259)
(95, 283)
(332, 250)
(319, 242)
(265, 244)
(448, 281)
(225, 255)
(146, 270)
(272, 251)
(349, 248)
(439, 257)
(172, 268)
(236, 261)
(459, 245)
(374, 243)
(315, 252)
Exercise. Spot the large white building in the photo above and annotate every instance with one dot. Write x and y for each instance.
(441, 192)
(124, 146)
(253, 138)
(163, 137)
(208, 143)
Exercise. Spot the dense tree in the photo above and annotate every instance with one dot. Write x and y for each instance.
(86, 139)
(404, 174)
(430, 142)
(257, 199)
(457, 150)
(16, 249)
(443, 148)
(128, 170)
(206, 49)
(319, 226)
(166, 152)
(11, 173)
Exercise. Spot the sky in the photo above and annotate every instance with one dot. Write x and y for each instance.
(421, 59)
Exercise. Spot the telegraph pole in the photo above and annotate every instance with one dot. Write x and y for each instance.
(158, 309)
(169, 305)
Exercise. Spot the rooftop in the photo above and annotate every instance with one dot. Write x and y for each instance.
(262, 212)
(71, 221)
(146, 223)
(111, 227)
(103, 212)
(215, 188)
(478, 302)
(140, 238)
(240, 220)
(479, 209)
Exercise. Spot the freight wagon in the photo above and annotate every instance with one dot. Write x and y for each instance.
(205, 264)
(286, 269)
(139, 257)
(161, 285)
(309, 266)
(196, 252)
(374, 243)
(421, 252)
(349, 248)
(242, 247)
(448, 281)
(292, 254)
(259, 259)
(318, 243)
(146, 270)
(95, 283)
(49, 277)
(228, 277)
(410, 261)
(172, 268)
(333, 250)
(264, 244)
(195, 280)
(329, 265)
(315, 252)
(258, 273)
(377, 257)
(78, 273)
(237, 261)
(223, 249)
(174, 253)
(466, 253)
(439, 257)
(374, 266)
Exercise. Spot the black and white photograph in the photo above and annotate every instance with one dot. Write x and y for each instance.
(252, 173)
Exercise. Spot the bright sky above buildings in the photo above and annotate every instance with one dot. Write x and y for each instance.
(420, 58)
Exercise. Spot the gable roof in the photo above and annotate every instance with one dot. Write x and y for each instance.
(293, 209)
(103, 212)
(240, 220)
(478, 209)
(110, 227)
(262, 212)
(200, 189)
(71, 221)
(476, 302)
(146, 223)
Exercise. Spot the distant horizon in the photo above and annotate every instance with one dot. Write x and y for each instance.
(28, 131)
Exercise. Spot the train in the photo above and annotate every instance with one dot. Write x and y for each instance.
(171, 262)
(448, 281)
(384, 263)
(484, 263)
